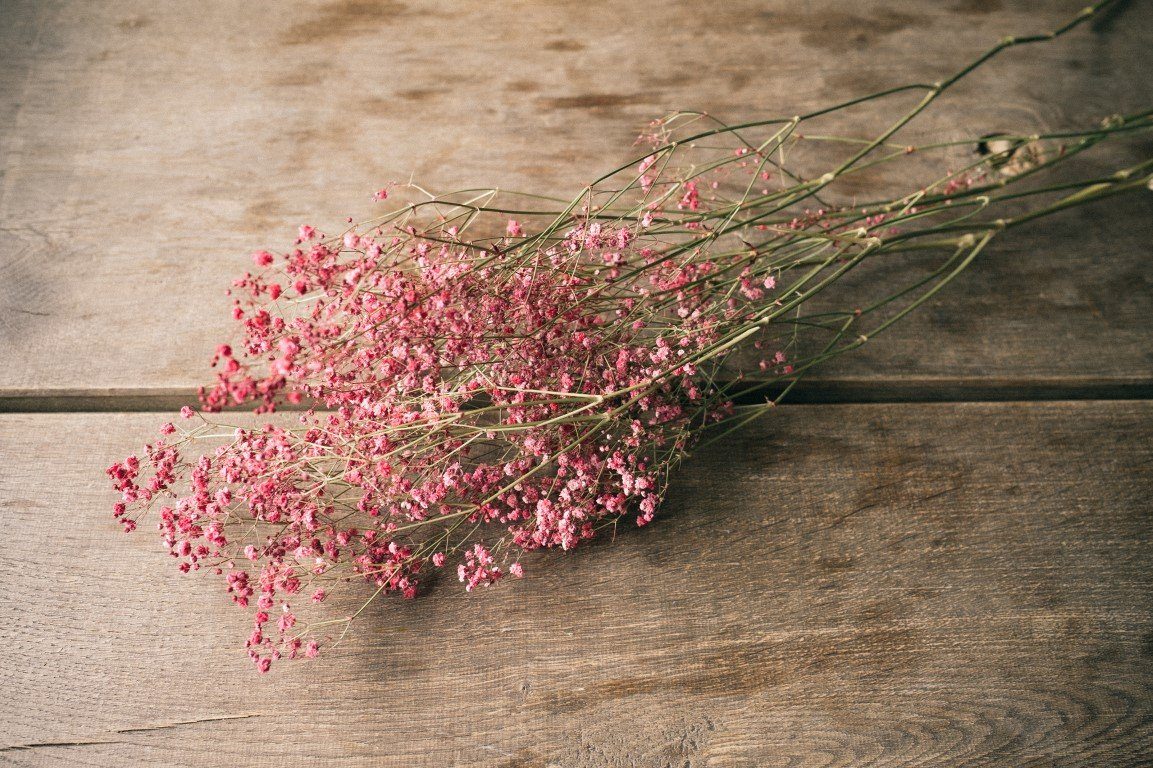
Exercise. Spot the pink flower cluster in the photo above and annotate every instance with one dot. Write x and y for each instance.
(545, 390)
(470, 399)
(473, 387)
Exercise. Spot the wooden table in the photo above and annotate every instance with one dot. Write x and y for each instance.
(940, 555)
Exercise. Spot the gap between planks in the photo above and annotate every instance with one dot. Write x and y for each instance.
(843, 392)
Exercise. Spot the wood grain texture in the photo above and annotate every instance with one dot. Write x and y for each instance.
(917, 585)
(147, 147)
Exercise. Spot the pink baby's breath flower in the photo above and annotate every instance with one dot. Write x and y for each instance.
(691, 199)
(466, 397)
(393, 401)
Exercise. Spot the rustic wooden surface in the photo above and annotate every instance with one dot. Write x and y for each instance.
(915, 583)
(945, 584)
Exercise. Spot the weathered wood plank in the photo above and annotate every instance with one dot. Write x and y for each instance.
(147, 147)
(942, 584)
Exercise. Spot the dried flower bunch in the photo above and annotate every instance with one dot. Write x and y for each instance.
(486, 375)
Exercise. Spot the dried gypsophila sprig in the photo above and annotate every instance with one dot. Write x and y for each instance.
(497, 380)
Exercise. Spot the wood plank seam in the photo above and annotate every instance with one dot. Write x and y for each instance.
(831, 392)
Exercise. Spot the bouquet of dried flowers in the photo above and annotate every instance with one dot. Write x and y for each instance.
(477, 375)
